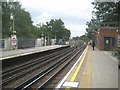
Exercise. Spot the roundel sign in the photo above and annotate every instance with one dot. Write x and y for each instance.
(14, 39)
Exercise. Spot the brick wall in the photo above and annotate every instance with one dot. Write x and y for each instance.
(106, 32)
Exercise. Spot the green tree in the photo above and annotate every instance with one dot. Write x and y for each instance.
(23, 24)
(105, 14)
(6, 20)
(22, 20)
(36, 32)
(82, 38)
(54, 29)
(106, 11)
(58, 29)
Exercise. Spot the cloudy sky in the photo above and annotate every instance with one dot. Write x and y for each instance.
(74, 13)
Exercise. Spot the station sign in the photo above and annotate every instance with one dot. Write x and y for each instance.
(14, 39)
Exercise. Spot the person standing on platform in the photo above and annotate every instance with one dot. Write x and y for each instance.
(93, 44)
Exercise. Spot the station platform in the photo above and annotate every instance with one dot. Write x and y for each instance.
(20, 52)
(93, 69)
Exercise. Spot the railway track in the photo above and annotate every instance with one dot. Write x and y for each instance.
(56, 77)
(13, 74)
(26, 76)
(12, 71)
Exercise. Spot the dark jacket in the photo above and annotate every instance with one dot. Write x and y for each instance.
(93, 43)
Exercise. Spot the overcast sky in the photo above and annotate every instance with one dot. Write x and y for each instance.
(74, 13)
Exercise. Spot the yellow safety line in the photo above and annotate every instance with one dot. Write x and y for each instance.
(86, 75)
(78, 68)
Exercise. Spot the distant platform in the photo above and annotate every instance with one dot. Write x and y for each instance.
(21, 52)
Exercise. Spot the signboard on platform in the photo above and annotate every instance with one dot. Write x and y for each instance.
(14, 39)
(2, 43)
(118, 40)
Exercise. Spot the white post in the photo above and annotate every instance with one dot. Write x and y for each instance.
(45, 41)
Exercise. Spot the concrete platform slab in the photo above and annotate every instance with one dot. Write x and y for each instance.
(98, 70)
(104, 70)
(73, 73)
(20, 52)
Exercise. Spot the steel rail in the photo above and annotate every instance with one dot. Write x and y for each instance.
(49, 80)
(25, 71)
(38, 76)
(28, 63)
(34, 79)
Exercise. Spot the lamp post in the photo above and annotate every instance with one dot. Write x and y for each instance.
(13, 23)
(56, 38)
(43, 42)
(13, 36)
(119, 18)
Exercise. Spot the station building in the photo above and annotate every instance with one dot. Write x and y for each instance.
(106, 38)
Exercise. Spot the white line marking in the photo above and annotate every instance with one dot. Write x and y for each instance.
(71, 84)
(30, 52)
(111, 57)
(66, 76)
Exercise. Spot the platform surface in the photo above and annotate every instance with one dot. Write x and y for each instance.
(104, 70)
(19, 52)
(95, 69)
